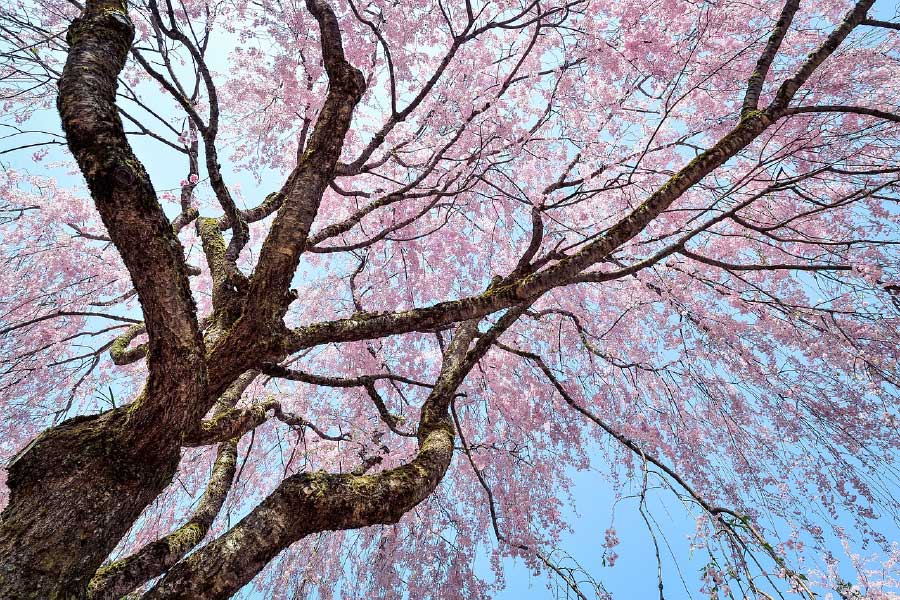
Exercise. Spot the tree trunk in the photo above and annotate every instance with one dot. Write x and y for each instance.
(75, 492)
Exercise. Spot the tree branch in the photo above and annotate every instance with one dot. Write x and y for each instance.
(307, 503)
(762, 267)
(124, 196)
(789, 88)
(287, 239)
(879, 23)
(117, 579)
(857, 110)
(758, 78)
(717, 513)
(120, 577)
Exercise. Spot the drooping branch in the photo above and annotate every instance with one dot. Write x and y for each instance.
(65, 313)
(717, 513)
(492, 508)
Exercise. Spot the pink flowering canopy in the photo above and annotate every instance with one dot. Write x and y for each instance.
(656, 241)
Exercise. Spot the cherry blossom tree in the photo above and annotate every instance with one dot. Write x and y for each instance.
(355, 286)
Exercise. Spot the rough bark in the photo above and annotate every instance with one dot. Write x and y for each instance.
(280, 253)
(96, 474)
(124, 196)
(122, 576)
(74, 493)
(758, 78)
(307, 503)
(116, 579)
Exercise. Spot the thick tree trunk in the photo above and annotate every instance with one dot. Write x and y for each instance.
(80, 486)
(75, 492)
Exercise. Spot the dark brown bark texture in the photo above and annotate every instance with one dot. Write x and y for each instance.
(78, 487)
(74, 493)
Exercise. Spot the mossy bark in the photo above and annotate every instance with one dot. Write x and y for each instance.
(307, 503)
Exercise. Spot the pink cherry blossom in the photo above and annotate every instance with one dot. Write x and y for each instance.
(653, 242)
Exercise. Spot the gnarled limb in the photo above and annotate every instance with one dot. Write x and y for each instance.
(259, 333)
(280, 253)
(124, 196)
(121, 354)
(122, 576)
(209, 131)
(226, 298)
(97, 474)
(307, 503)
